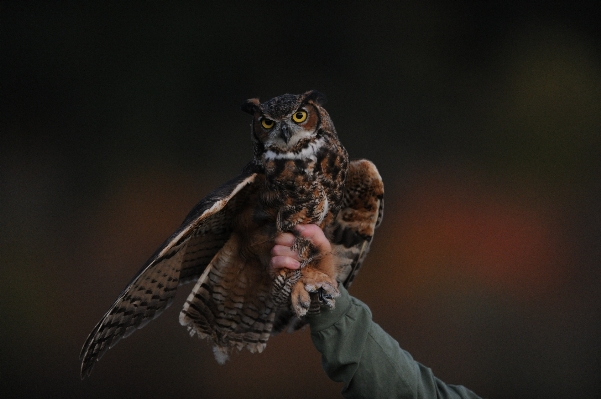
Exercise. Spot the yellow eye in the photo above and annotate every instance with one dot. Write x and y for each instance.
(299, 116)
(267, 123)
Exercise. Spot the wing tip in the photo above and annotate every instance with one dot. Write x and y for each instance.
(85, 371)
(87, 364)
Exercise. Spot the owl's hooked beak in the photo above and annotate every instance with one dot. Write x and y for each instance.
(285, 133)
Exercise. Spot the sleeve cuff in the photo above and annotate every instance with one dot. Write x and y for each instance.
(328, 317)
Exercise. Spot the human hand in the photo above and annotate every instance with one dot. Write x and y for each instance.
(282, 254)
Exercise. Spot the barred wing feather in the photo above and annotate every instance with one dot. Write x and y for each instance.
(182, 258)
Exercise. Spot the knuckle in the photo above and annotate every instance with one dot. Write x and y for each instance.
(291, 263)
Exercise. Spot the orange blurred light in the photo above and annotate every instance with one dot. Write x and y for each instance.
(447, 225)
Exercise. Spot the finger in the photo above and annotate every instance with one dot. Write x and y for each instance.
(284, 262)
(315, 235)
(286, 239)
(284, 250)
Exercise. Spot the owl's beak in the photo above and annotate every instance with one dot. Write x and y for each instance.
(285, 133)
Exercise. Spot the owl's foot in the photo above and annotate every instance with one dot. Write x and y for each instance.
(314, 283)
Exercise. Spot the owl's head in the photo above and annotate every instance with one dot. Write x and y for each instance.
(289, 121)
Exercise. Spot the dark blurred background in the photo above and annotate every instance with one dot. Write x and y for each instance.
(485, 123)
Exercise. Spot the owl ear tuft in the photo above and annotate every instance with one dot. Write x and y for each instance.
(250, 106)
(315, 96)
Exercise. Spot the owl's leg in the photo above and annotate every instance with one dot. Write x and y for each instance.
(317, 279)
(282, 286)
(285, 280)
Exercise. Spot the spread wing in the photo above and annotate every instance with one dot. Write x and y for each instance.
(182, 258)
(362, 210)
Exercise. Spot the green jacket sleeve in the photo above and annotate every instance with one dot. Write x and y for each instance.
(370, 363)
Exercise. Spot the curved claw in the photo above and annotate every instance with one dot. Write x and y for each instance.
(323, 297)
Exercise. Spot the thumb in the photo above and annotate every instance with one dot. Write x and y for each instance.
(313, 233)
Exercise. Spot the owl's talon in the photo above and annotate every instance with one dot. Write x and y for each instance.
(324, 297)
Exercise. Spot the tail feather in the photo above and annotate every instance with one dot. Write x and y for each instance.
(230, 304)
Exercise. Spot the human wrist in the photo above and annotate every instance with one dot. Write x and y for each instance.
(328, 317)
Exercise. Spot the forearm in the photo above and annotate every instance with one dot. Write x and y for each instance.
(370, 363)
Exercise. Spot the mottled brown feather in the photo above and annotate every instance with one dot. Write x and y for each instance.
(225, 241)
(351, 233)
(362, 211)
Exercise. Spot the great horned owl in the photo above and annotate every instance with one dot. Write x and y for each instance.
(300, 173)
